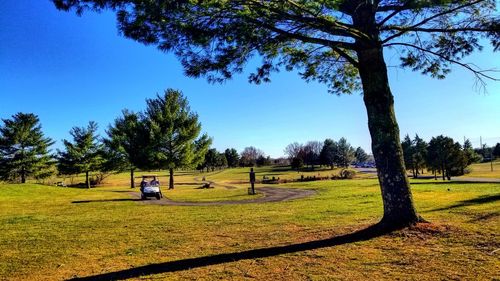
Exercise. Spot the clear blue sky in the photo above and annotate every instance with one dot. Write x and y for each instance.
(69, 70)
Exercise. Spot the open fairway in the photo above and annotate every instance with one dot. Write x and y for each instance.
(60, 233)
(483, 170)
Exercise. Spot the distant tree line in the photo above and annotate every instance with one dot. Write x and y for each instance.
(329, 153)
(230, 158)
(441, 155)
(167, 136)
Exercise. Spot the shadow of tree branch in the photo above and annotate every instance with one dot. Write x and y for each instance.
(105, 200)
(185, 264)
(475, 201)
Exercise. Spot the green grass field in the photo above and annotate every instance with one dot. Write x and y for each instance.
(483, 170)
(54, 233)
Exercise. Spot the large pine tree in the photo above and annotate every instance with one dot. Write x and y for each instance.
(173, 131)
(24, 151)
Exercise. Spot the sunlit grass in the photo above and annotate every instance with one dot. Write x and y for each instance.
(483, 170)
(57, 233)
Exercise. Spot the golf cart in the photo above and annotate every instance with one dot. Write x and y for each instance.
(150, 187)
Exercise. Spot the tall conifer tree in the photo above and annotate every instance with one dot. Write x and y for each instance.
(84, 154)
(24, 150)
(174, 132)
(127, 142)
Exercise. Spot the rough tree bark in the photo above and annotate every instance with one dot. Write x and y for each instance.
(87, 181)
(23, 175)
(386, 145)
(171, 180)
(132, 183)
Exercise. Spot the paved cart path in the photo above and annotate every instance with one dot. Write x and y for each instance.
(271, 194)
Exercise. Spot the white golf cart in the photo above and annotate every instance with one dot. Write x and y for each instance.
(150, 187)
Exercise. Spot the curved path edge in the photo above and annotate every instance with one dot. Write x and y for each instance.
(271, 194)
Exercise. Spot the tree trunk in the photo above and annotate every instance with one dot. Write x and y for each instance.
(87, 181)
(386, 145)
(171, 180)
(132, 183)
(23, 175)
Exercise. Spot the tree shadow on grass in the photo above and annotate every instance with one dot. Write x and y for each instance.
(105, 200)
(185, 264)
(485, 217)
(475, 201)
(450, 183)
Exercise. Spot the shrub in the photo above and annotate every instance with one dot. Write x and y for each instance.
(347, 174)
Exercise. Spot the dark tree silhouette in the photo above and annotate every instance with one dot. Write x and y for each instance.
(496, 150)
(232, 157)
(408, 151)
(446, 156)
(339, 42)
(328, 153)
(211, 159)
(360, 155)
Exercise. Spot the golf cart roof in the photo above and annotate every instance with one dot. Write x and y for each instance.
(149, 176)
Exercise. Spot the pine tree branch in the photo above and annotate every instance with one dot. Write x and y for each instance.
(478, 73)
(424, 21)
(436, 30)
(335, 28)
(391, 15)
(305, 38)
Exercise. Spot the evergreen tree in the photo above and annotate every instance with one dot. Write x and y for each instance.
(445, 156)
(24, 151)
(232, 157)
(262, 160)
(84, 154)
(360, 155)
(470, 155)
(408, 151)
(328, 152)
(211, 159)
(201, 147)
(173, 131)
(126, 144)
(297, 163)
(419, 155)
(338, 42)
(345, 153)
(496, 151)
(221, 161)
